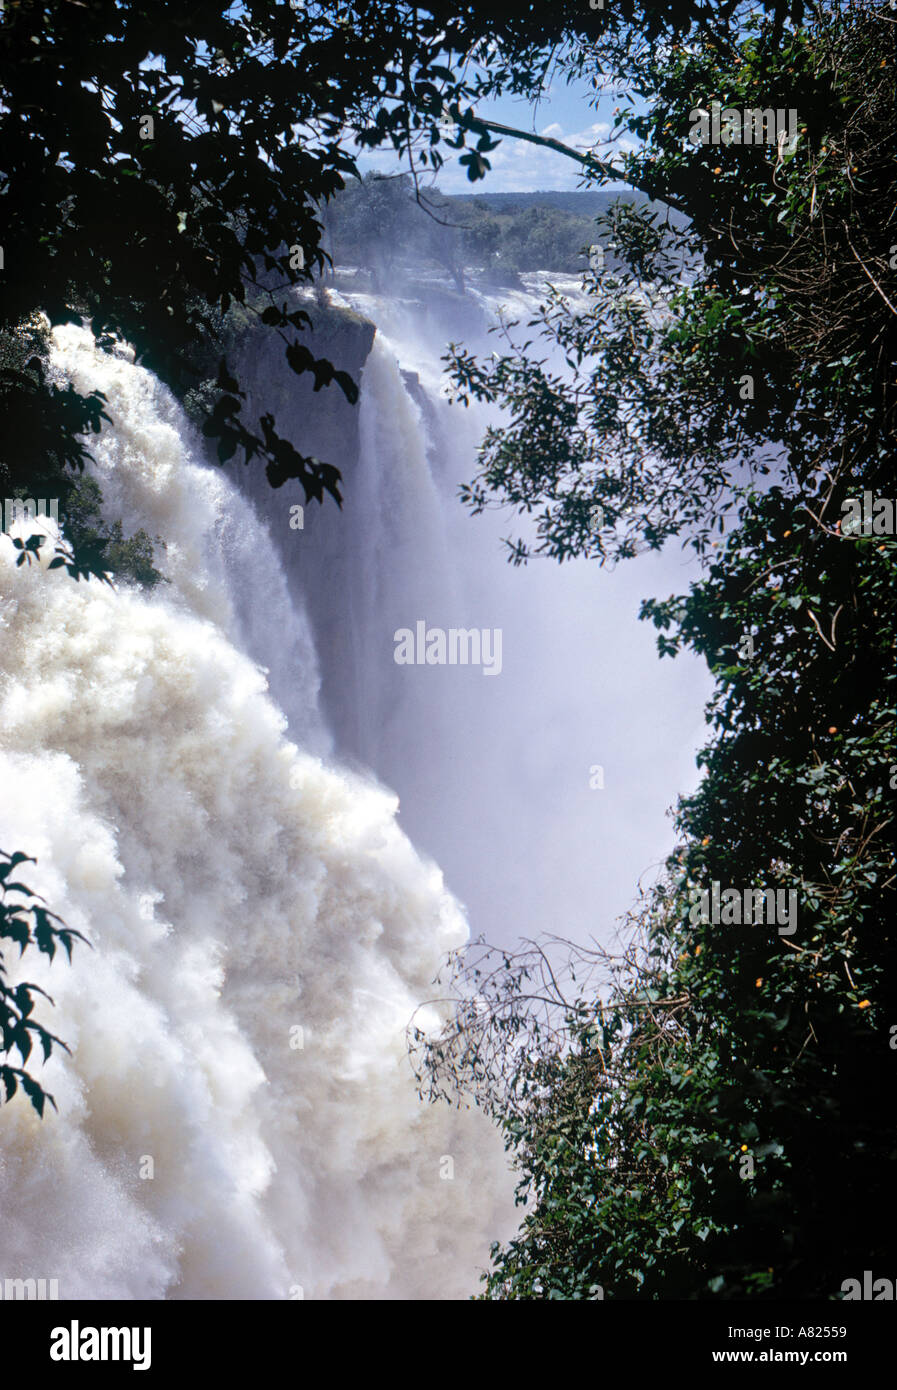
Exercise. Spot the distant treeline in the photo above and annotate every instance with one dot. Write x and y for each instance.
(379, 225)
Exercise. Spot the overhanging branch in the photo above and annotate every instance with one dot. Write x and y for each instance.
(588, 161)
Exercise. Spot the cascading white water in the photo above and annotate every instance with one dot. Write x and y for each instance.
(236, 888)
(494, 775)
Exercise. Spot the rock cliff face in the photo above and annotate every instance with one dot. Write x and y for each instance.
(322, 424)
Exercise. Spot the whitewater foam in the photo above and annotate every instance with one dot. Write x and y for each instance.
(235, 887)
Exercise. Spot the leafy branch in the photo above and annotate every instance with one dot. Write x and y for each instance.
(26, 920)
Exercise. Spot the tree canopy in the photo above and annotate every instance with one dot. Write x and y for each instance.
(160, 162)
(761, 333)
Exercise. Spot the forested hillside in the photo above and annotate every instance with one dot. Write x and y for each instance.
(384, 227)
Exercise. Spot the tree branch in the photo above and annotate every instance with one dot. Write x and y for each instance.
(589, 161)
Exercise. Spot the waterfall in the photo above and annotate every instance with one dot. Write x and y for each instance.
(237, 1118)
(241, 799)
(493, 776)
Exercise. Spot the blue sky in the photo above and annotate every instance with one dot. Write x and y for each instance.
(517, 166)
